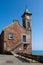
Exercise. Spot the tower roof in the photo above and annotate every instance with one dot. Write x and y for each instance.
(26, 12)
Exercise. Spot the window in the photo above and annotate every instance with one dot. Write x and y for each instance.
(28, 24)
(25, 46)
(24, 38)
(10, 36)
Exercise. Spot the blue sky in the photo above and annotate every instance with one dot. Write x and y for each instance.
(13, 9)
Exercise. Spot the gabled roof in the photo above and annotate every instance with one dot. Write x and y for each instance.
(11, 24)
(14, 21)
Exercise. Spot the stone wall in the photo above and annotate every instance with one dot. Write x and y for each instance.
(18, 31)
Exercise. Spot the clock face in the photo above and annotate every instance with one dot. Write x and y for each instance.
(27, 17)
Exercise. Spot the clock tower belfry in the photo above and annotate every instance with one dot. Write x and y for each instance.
(26, 18)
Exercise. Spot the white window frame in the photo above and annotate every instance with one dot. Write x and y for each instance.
(10, 36)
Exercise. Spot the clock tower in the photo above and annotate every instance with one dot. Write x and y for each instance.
(26, 17)
(26, 20)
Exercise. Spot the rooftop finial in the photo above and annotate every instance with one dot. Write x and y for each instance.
(26, 9)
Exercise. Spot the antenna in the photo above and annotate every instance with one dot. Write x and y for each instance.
(26, 6)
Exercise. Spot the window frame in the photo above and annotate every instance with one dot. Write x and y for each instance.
(22, 39)
(11, 36)
(26, 39)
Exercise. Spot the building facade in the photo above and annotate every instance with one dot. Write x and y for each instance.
(17, 38)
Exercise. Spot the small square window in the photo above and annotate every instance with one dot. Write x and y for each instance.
(10, 36)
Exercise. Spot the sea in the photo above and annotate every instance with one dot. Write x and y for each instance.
(37, 52)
